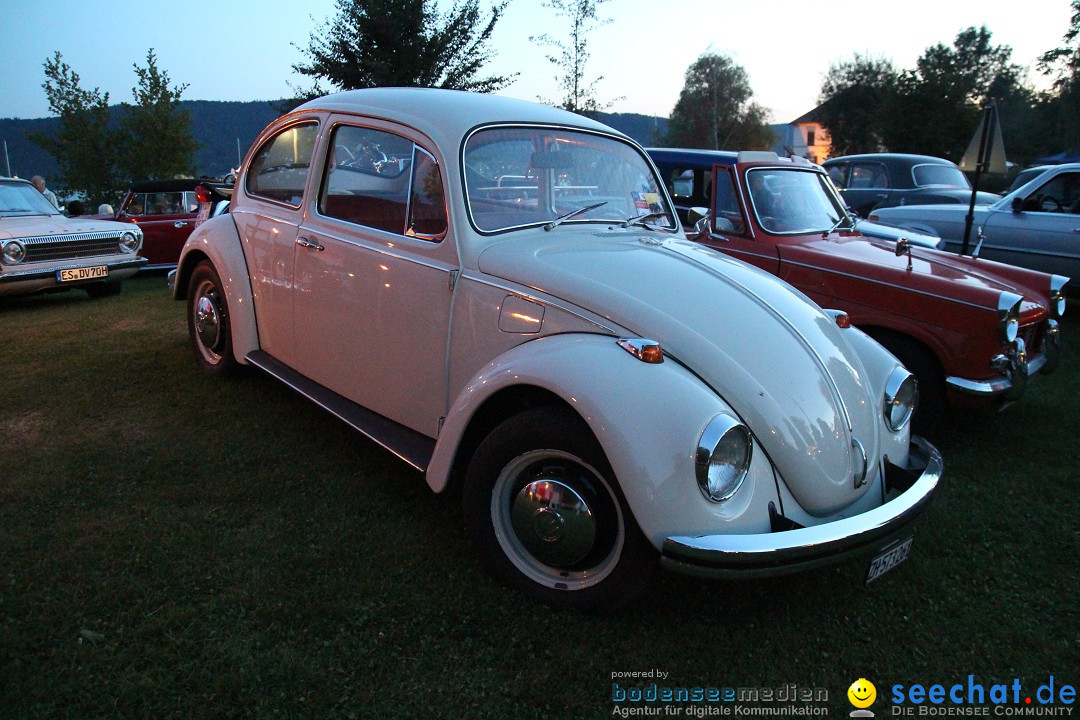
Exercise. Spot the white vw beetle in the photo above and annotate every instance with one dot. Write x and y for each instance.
(498, 293)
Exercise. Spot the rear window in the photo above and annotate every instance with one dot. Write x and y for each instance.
(939, 176)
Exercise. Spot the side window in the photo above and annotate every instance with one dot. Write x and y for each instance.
(427, 205)
(870, 175)
(682, 183)
(836, 174)
(727, 218)
(367, 178)
(279, 169)
(137, 206)
(164, 203)
(1060, 195)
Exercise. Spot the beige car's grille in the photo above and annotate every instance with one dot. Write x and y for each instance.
(69, 247)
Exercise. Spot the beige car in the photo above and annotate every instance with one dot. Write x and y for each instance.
(41, 250)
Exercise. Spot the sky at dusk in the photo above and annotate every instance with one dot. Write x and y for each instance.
(243, 50)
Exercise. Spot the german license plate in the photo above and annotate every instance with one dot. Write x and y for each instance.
(889, 558)
(87, 273)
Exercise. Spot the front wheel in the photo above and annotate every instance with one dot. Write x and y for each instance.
(543, 509)
(209, 327)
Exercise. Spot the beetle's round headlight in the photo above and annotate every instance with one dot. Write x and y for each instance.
(722, 458)
(129, 242)
(901, 399)
(14, 252)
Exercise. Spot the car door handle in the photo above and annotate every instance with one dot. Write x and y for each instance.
(180, 224)
(309, 244)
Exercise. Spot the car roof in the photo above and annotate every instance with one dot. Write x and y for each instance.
(693, 157)
(5, 178)
(891, 157)
(446, 115)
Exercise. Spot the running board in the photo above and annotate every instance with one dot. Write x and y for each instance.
(414, 448)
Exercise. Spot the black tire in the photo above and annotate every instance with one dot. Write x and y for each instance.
(102, 290)
(927, 370)
(209, 325)
(544, 511)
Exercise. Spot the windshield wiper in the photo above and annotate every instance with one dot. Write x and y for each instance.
(573, 213)
(836, 224)
(642, 220)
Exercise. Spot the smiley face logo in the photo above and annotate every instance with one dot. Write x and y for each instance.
(862, 693)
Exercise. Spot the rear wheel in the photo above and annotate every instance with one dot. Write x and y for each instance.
(542, 507)
(209, 327)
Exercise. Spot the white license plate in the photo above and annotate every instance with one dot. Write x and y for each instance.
(87, 273)
(889, 558)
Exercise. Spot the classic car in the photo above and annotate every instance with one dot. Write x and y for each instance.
(880, 180)
(166, 212)
(1025, 176)
(1036, 226)
(690, 184)
(968, 329)
(500, 294)
(41, 250)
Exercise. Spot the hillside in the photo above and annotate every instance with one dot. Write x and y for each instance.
(219, 127)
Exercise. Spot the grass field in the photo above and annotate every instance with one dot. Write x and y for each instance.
(175, 546)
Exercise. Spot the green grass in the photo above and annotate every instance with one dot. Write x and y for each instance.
(176, 546)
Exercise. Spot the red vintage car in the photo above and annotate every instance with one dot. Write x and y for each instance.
(968, 328)
(166, 211)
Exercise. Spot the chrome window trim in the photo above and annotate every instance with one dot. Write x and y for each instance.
(566, 128)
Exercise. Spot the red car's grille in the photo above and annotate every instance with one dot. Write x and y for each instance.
(70, 247)
(1032, 335)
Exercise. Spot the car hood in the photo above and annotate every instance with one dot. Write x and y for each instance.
(45, 225)
(935, 271)
(776, 358)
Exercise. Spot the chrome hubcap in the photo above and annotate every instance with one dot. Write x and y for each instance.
(557, 520)
(207, 321)
(553, 522)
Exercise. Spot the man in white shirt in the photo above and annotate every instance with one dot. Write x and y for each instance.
(39, 183)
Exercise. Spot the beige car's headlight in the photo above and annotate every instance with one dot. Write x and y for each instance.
(13, 253)
(722, 458)
(129, 242)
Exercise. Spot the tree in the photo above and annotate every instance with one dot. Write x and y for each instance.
(158, 142)
(403, 43)
(1063, 64)
(579, 96)
(936, 107)
(716, 110)
(853, 94)
(85, 147)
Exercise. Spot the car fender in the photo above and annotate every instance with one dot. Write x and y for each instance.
(627, 403)
(218, 240)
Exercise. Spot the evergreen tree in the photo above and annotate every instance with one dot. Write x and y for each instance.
(158, 142)
(403, 43)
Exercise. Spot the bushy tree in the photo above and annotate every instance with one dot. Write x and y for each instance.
(716, 109)
(853, 95)
(84, 144)
(578, 95)
(936, 107)
(1063, 64)
(403, 43)
(158, 142)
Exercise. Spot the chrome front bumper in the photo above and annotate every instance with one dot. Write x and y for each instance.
(789, 551)
(1015, 368)
(40, 278)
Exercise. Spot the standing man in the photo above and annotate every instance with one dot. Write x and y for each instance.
(39, 183)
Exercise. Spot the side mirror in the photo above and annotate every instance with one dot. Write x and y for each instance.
(903, 247)
(698, 219)
(1018, 204)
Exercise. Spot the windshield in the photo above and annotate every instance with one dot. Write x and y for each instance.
(17, 198)
(523, 176)
(939, 176)
(793, 201)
